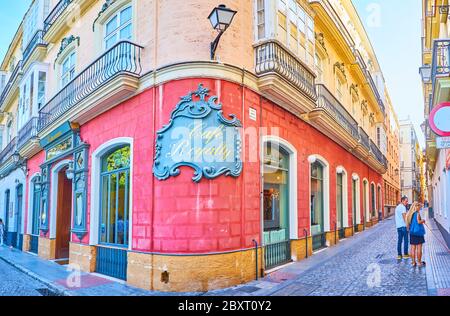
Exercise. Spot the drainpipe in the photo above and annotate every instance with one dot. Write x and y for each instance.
(256, 250)
(306, 237)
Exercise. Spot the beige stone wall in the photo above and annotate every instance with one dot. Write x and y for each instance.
(191, 273)
(83, 255)
(298, 248)
(47, 248)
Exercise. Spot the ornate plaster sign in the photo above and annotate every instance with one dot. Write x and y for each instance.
(440, 119)
(200, 137)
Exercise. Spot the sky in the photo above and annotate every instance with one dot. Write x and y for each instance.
(393, 27)
(395, 34)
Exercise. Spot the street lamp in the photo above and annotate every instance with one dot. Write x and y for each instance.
(220, 18)
(70, 171)
(425, 73)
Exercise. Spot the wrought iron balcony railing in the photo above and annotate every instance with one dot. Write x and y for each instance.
(271, 57)
(27, 132)
(8, 151)
(327, 101)
(377, 153)
(441, 59)
(56, 13)
(364, 138)
(10, 83)
(122, 58)
(363, 65)
(37, 40)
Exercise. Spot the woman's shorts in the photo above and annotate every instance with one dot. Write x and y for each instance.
(416, 240)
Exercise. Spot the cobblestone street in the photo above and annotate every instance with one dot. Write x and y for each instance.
(364, 265)
(16, 283)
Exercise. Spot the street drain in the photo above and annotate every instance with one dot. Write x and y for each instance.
(46, 292)
(249, 289)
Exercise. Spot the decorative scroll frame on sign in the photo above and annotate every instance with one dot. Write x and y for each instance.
(205, 126)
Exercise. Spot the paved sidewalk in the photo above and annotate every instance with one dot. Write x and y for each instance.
(61, 281)
(364, 265)
(437, 256)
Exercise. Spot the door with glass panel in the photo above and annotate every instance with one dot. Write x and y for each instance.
(34, 238)
(317, 206)
(340, 205)
(114, 213)
(354, 206)
(276, 206)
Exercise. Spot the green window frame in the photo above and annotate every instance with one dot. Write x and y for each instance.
(317, 198)
(340, 200)
(36, 207)
(115, 197)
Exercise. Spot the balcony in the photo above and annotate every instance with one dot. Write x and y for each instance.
(12, 82)
(440, 71)
(35, 49)
(363, 66)
(331, 117)
(111, 78)
(27, 139)
(55, 25)
(378, 155)
(284, 79)
(7, 152)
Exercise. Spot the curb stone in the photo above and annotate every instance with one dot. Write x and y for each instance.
(60, 291)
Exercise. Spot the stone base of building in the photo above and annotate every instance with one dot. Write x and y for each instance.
(26, 243)
(47, 248)
(198, 273)
(84, 256)
(299, 249)
(360, 227)
(348, 232)
(332, 238)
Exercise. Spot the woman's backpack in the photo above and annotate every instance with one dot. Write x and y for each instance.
(416, 229)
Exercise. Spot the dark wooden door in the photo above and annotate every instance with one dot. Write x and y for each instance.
(63, 217)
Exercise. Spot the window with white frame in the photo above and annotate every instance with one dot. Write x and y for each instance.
(30, 23)
(119, 27)
(68, 69)
(42, 78)
(294, 27)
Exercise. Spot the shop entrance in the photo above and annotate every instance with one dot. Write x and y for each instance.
(17, 242)
(276, 206)
(63, 215)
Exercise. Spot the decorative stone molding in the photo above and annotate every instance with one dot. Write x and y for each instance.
(364, 107)
(372, 118)
(341, 67)
(105, 7)
(320, 38)
(66, 41)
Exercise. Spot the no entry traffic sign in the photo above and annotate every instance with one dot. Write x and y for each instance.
(440, 119)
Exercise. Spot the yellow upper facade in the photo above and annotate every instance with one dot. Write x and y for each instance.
(308, 56)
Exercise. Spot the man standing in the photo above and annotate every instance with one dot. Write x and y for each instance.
(400, 222)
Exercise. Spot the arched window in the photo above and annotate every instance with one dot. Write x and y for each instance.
(114, 201)
(36, 203)
(118, 27)
(276, 194)
(68, 69)
(340, 204)
(317, 205)
(373, 204)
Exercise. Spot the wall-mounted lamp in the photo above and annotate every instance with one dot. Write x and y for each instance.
(340, 170)
(425, 73)
(355, 177)
(220, 18)
(20, 162)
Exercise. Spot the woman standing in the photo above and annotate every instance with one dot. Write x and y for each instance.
(416, 228)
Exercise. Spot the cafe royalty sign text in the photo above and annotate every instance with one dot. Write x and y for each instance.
(200, 137)
(440, 119)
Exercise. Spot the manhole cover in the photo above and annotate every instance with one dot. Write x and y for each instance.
(46, 292)
(249, 289)
(388, 261)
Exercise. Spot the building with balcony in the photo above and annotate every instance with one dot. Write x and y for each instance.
(410, 162)
(436, 88)
(391, 178)
(149, 161)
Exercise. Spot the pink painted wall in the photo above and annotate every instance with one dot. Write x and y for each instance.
(179, 216)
